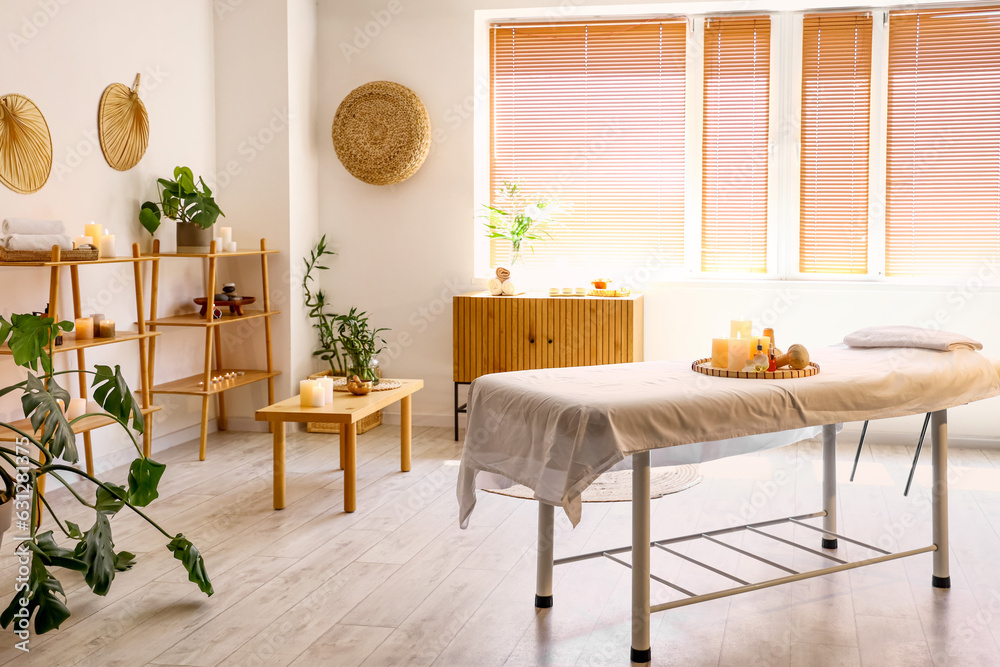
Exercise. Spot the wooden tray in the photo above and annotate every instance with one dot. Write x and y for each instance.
(235, 307)
(704, 366)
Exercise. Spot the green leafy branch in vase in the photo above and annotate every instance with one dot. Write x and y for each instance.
(519, 220)
(40, 598)
(324, 322)
(361, 342)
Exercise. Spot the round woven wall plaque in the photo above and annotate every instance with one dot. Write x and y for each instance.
(123, 125)
(25, 145)
(382, 132)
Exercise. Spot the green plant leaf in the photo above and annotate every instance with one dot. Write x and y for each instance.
(28, 337)
(48, 419)
(185, 178)
(97, 551)
(143, 477)
(43, 600)
(149, 217)
(110, 498)
(53, 555)
(190, 557)
(112, 393)
(124, 561)
(74, 530)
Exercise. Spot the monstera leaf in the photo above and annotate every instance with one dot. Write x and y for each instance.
(143, 478)
(112, 393)
(189, 555)
(43, 598)
(47, 417)
(29, 336)
(53, 555)
(97, 551)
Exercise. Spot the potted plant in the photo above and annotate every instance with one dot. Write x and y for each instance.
(518, 220)
(40, 598)
(190, 204)
(361, 343)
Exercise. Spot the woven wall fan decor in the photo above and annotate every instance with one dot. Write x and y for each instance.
(382, 132)
(123, 125)
(25, 145)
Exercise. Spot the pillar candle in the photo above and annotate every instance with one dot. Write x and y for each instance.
(720, 352)
(739, 353)
(306, 392)
(318, 396)
(94, 231)
(231, 246)
(227, 235)
(108, 245)
(739, 328)
(106, 328)
(84, 328)
(81, 241)
(77, 407)
(327, 384)
(218, 244)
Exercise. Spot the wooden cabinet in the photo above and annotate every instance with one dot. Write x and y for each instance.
(512, 333)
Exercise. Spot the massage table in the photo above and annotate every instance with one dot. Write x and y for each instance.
(555, 431)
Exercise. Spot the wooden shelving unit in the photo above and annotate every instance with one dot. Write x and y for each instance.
(201, 384)
(142, 335)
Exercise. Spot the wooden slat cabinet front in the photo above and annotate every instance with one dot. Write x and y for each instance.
(512, 333)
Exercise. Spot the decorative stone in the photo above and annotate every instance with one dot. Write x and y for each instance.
(229, 288)
(221, 297)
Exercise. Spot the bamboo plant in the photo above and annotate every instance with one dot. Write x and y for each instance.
(329, 344)
(40, 597)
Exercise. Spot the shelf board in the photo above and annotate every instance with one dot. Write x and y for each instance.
(82, 426)
(70, 343)
(196, 320)
(205, 255)
(81, 262)
(189, 386)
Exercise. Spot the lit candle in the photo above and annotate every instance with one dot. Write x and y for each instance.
(108, 245)
(106, 329)
(306, 392)
(327, 384)
(739, 328)
(318, 397)
(81, 241)
(94, 231)
(739, 353)
(720, 352)
(97, 317)
(84, 328)
(77, 408)
(227, 235)
(218, 244)
(231, 246)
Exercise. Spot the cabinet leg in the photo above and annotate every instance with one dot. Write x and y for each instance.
(202, 451)
(88, 452)
(456, 412)
(351, 469)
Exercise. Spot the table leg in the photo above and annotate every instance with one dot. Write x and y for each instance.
(640, 558)
(939, 495)
(405, 432)
(279, 465)
(343, 445)
(546, 544)
(830, 484)
(351, 468)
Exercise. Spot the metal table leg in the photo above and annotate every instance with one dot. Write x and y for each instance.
(640, 558)
(543, 574)
(830, 484)
(939, 494)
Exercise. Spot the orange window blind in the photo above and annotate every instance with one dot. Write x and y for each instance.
(735, 144)
(833, 194)
(592, 114)
(943, 148)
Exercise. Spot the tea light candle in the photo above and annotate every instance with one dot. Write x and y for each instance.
(77, 408)
(720, 352)
(227, 235)
(231, 246)
(106, 329)
(108, 245)
(318, 396)
(327, 384)
(84, 328)
(94, 231)
(739, 329)
(81, 241)
(218, 244)
(739, 353)
(306, 392)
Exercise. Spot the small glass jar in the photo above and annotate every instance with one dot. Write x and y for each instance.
(366, 372)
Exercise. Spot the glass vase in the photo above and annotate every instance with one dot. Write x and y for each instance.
(367, 370)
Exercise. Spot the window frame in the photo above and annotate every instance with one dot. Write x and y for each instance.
(784, 138)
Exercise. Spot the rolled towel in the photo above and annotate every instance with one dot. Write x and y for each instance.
(38, 241)
(494, 286)
(903, 336)
(508, 289)
(29, 226)
(503, 274)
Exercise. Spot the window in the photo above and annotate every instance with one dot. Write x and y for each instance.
(735, 144)
(833, 169)
(593, 115)
(943, 149)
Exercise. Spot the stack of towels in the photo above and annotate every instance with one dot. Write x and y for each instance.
(27, 234)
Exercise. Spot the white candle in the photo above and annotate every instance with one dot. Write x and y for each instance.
(81, 241)
(306, 392)
(227, 235)
(739, 329)
(106, 329)
(108, 245)
(218, 244)
(94, 231)
(77, 407)
(231, 246)
(318, 397)
(327, 384)
(84, 328)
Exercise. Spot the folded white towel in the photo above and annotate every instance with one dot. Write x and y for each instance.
(494, 286)
(37, 241)
(902, 336)
(29, 226)
(508, 289)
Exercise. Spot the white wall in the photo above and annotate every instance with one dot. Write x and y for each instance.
(62, 55)
(405, 249)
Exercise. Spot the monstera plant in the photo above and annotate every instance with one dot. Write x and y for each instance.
(49, 448)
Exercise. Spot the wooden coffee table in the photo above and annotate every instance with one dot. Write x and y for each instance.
(346, 410)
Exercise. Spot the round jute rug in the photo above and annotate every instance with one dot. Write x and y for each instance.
(616, 486)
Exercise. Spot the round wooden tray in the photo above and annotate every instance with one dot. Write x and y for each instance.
(235, 307)
(704, 366)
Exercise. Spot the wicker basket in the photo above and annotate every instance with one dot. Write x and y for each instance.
(79, 255)
(366, 424)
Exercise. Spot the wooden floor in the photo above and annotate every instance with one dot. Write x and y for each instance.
(397, 582)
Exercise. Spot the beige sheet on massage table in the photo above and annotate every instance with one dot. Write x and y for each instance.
(556, 430)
